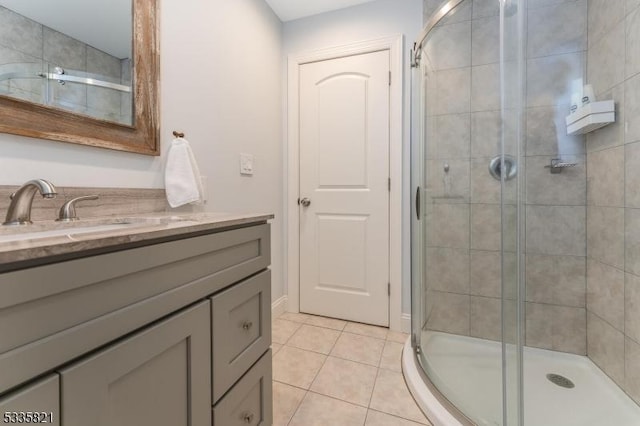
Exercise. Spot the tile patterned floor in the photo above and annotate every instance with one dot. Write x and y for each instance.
(329, 372)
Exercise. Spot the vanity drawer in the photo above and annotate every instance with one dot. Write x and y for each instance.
(241, 329)
(249, 402)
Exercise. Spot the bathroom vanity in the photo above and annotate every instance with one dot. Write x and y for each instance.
(163, 323)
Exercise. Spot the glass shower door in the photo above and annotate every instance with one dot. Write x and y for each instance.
(466, 297)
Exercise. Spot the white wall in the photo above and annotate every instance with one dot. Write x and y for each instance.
(358, 23)
(221, 80)
(22, 159)
(221, 84)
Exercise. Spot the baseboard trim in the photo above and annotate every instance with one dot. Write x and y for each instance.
(279, 306)
(405, 323)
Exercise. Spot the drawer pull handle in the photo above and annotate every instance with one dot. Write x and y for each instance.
(247, 417)
(246, 326)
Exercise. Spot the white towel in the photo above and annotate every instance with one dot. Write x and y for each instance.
(181, 176)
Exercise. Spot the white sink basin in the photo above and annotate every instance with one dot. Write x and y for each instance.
(70, 231)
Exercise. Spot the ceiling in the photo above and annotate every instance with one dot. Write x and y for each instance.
(288, 10)
(105, 25)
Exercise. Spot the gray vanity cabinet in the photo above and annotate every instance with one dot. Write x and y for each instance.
(170, 333)
(39, 401)
(160, 376)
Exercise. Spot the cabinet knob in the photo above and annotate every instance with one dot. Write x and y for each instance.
(246, 326)
(247, 417)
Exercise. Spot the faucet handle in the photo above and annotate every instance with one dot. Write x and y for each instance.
(68, 209)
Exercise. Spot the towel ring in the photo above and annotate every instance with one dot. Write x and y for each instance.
(178, 134)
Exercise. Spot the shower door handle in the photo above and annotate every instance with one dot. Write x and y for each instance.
(418, 203)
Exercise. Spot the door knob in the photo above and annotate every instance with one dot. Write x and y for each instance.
(305, 202)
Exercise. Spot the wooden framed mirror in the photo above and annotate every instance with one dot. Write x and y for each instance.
(138, 132)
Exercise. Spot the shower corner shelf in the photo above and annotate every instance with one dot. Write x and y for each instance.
(591, 117)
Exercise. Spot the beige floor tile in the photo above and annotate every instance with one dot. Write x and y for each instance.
(316, 339)
(325, 322)
(275, 347)
(391, 396)
(396, 336)
(320, 410)
(282, 330)
(346, 380)
(295, 317)
(367, 330)
(375, 418)
(392, 356)
(296, 367)
(286, 400)
(358, 348)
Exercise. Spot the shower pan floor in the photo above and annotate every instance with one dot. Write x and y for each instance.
(468, 370)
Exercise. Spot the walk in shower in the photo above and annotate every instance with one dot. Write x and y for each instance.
(525, 215)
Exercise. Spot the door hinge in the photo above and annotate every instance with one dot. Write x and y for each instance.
(389, 289)
(389, 78)
(389, 184)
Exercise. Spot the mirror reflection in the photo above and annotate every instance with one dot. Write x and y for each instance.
(69, 54)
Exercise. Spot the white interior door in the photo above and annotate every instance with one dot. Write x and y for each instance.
(344, 172)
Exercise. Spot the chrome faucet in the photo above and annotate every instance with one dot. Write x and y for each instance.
(19, 212)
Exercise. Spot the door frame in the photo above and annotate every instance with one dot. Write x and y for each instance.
(394, 45)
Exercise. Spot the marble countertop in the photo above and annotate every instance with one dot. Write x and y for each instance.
(45, 240)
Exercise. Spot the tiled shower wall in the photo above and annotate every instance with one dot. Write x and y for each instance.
(613, 195)
(26, 44)
(555, 233)
(463, 205)
(462, 274)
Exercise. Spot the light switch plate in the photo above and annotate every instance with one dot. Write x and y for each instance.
(246, 164)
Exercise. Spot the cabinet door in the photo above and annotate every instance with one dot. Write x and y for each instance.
(36, 403)
(160, 376)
